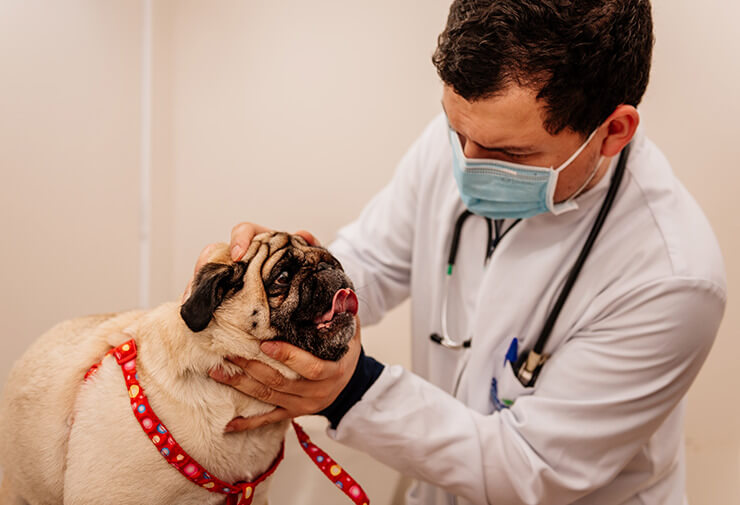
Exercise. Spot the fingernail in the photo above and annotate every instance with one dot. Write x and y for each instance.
(236, 252)
(229, 428)
(269, 348)
(217, 374)
(235, 359)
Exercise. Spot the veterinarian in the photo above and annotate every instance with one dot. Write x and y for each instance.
(530, 383)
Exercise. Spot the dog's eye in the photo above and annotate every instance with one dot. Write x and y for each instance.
(283, 279)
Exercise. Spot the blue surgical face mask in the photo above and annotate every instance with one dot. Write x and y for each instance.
(501, 190)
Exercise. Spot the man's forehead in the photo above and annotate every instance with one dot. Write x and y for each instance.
(513, 117)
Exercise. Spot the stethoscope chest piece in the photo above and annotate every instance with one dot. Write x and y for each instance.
(444, 340)
(447, 342)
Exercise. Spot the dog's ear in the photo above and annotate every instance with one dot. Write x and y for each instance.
(213, 283)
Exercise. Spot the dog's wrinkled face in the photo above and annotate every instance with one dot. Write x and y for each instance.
(283, 289)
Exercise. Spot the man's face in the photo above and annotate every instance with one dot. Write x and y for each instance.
(509, 127)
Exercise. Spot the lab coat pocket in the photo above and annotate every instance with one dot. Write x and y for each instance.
(506, 388)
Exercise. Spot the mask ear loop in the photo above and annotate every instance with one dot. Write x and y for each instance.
(569, 204)
(589, 179)
(577, 153)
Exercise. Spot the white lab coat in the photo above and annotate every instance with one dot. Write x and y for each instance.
(603, 425)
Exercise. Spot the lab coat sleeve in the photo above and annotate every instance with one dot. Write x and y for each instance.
(375, 249)
(598, 401)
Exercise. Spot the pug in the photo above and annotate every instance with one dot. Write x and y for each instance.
(65, 440)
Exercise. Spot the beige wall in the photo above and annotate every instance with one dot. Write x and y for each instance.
(69, 158)
(690, 111)
(291, 114)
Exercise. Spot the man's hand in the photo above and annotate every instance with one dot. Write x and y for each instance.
(319, 385)
(241, 236)
(320, 382)
(243, 233)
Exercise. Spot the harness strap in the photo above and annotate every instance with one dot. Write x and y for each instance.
(239, 493)
(330, 468)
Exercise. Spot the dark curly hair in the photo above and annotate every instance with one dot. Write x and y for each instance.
(583, 57)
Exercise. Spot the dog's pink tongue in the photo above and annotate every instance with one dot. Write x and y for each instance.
(345, 300)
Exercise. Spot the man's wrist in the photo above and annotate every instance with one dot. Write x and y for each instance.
(366, 373)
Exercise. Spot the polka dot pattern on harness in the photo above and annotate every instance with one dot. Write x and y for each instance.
(240, 493)
(328, 466)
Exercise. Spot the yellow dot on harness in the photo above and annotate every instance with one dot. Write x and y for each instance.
(133, 391)
(208, 485)
(156, 439)
(126, 347)
(180, 457)
(247, 492)
(335, 470)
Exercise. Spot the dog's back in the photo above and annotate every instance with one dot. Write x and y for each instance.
(37, 402)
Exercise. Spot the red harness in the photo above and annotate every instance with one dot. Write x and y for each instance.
(176, 456)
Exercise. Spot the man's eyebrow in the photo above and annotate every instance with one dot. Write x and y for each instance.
(503, 149)
(507, 149)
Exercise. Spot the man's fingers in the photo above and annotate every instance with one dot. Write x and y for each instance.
(250, 423)
(206, 253)
(310, 238)
(263, 373)
(241, 236)
(275, 380)
(303, 362)
(254, 388)
(243, 233)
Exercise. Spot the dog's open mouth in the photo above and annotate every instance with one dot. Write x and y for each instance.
(343, 306)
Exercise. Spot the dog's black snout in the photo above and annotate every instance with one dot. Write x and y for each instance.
(323, 266)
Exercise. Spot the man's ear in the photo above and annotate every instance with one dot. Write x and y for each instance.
(213, 283)
(622, 125)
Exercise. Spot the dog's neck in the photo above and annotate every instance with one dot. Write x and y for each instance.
(187, 353)
(172, 366)
(189, 356)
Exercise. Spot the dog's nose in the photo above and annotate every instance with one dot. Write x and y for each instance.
(323, 266)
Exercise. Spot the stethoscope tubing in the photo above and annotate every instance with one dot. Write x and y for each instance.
(444, 339)
(554, 313)
(606, 206)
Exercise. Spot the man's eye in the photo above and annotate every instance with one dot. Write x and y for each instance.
(283, 279)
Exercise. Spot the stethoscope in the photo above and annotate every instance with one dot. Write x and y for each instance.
(528, 365)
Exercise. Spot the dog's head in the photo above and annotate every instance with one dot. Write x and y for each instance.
(283, 289)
